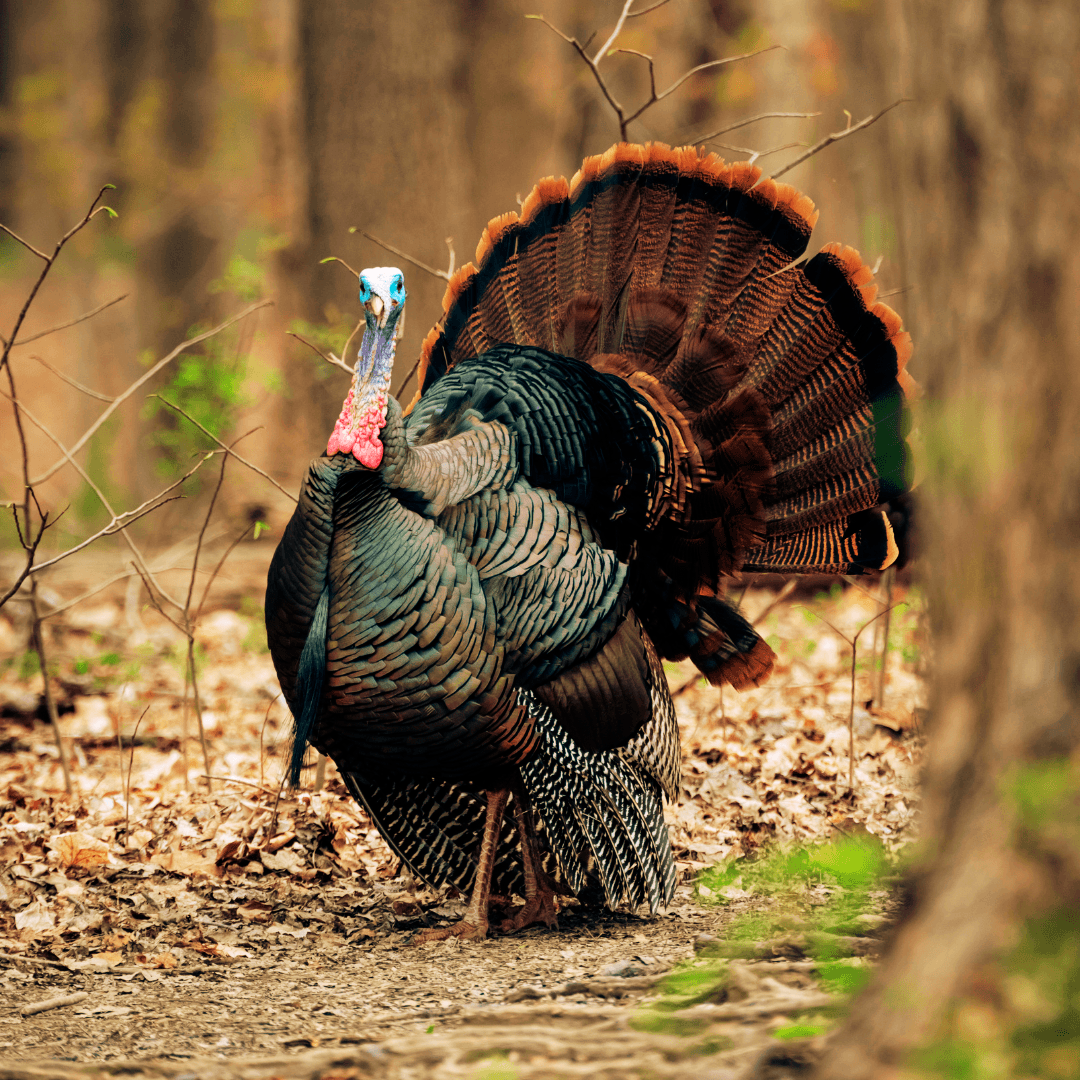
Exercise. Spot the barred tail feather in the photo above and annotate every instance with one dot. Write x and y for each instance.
(434, 827)
(600, 806)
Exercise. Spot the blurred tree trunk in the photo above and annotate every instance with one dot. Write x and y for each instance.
(423, 127)
(181, 254)
(367, 161)
(980, 968)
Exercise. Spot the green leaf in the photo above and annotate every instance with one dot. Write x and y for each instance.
(260, 527)
(798, 1031)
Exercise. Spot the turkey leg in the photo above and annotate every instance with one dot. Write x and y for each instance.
(474, 925)
(539, 888)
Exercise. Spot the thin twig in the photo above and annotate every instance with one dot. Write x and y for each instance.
(70, 381)
(131, 766)
(753, 154)
(238, 780)
(607, 49)
(49, 260)
(655, 97)
(72, 322)
(50, 702)
(854, 643)
(48, 1004)
(229, 451)
(603, 50)
(117, 401)
(348, 343)
(405, 382)
(198, 706)
(330, 358)
(117, 524)
(334, 258)
(779, 598)
(645, 11)
(889, 578)
(189, 622)
(753, 120)
(217, 569)
(262, 733)
(836, 136)
(25, 243)
(403, 255)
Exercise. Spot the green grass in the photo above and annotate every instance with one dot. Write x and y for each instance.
(817, 892)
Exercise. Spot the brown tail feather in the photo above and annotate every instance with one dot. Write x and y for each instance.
(782, 383)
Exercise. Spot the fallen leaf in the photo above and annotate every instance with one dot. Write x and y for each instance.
(80, 849)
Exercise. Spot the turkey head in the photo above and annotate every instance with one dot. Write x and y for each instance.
(363, 416)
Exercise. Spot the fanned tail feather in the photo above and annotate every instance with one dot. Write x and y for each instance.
(781, 381)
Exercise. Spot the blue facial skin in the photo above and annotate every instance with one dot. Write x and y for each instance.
(386, 284)
(376, 355)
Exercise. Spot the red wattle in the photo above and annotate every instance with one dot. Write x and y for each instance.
(358, 434)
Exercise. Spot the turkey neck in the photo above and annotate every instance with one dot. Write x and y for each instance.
(363, 415)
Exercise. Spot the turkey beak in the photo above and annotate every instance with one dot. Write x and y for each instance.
(377, 308)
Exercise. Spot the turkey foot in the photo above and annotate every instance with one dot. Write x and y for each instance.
(539, 888)
(474, 926)
(465, 929)
(539, 908)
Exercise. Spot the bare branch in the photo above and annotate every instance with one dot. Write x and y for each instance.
(405, 382)
(330, 358)
(63, 326)
(38, 639)
(206, 519)
(117, 401)
(591, 64)
(30, 549)
(217, 569)
(334, 258)
(755, 154)
(753, 120)
(228, 449)
(101, 586)
(401, 254)
(607, 49)
(693, 71)
(352, 336)
(104, 502)
(603, 50)
(69, 380)
(836, 136)
(114, 526)
(25, 243)
(652, 74)
(645, 11)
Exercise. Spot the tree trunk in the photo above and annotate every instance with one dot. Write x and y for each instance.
(979, 969)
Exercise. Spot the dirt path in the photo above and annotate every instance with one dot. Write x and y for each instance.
(541, 1003)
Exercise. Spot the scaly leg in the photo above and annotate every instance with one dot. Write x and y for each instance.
(474, 926)
(539, 888)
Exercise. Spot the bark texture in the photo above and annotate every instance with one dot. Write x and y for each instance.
(989, 169)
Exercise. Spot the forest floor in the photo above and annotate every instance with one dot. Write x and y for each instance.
(227, 931)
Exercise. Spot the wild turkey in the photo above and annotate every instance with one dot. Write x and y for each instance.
(636, 393)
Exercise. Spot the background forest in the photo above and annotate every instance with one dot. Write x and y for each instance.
(247, 138)
(251, 140)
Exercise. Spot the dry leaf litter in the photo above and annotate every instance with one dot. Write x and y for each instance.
(205, 924)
